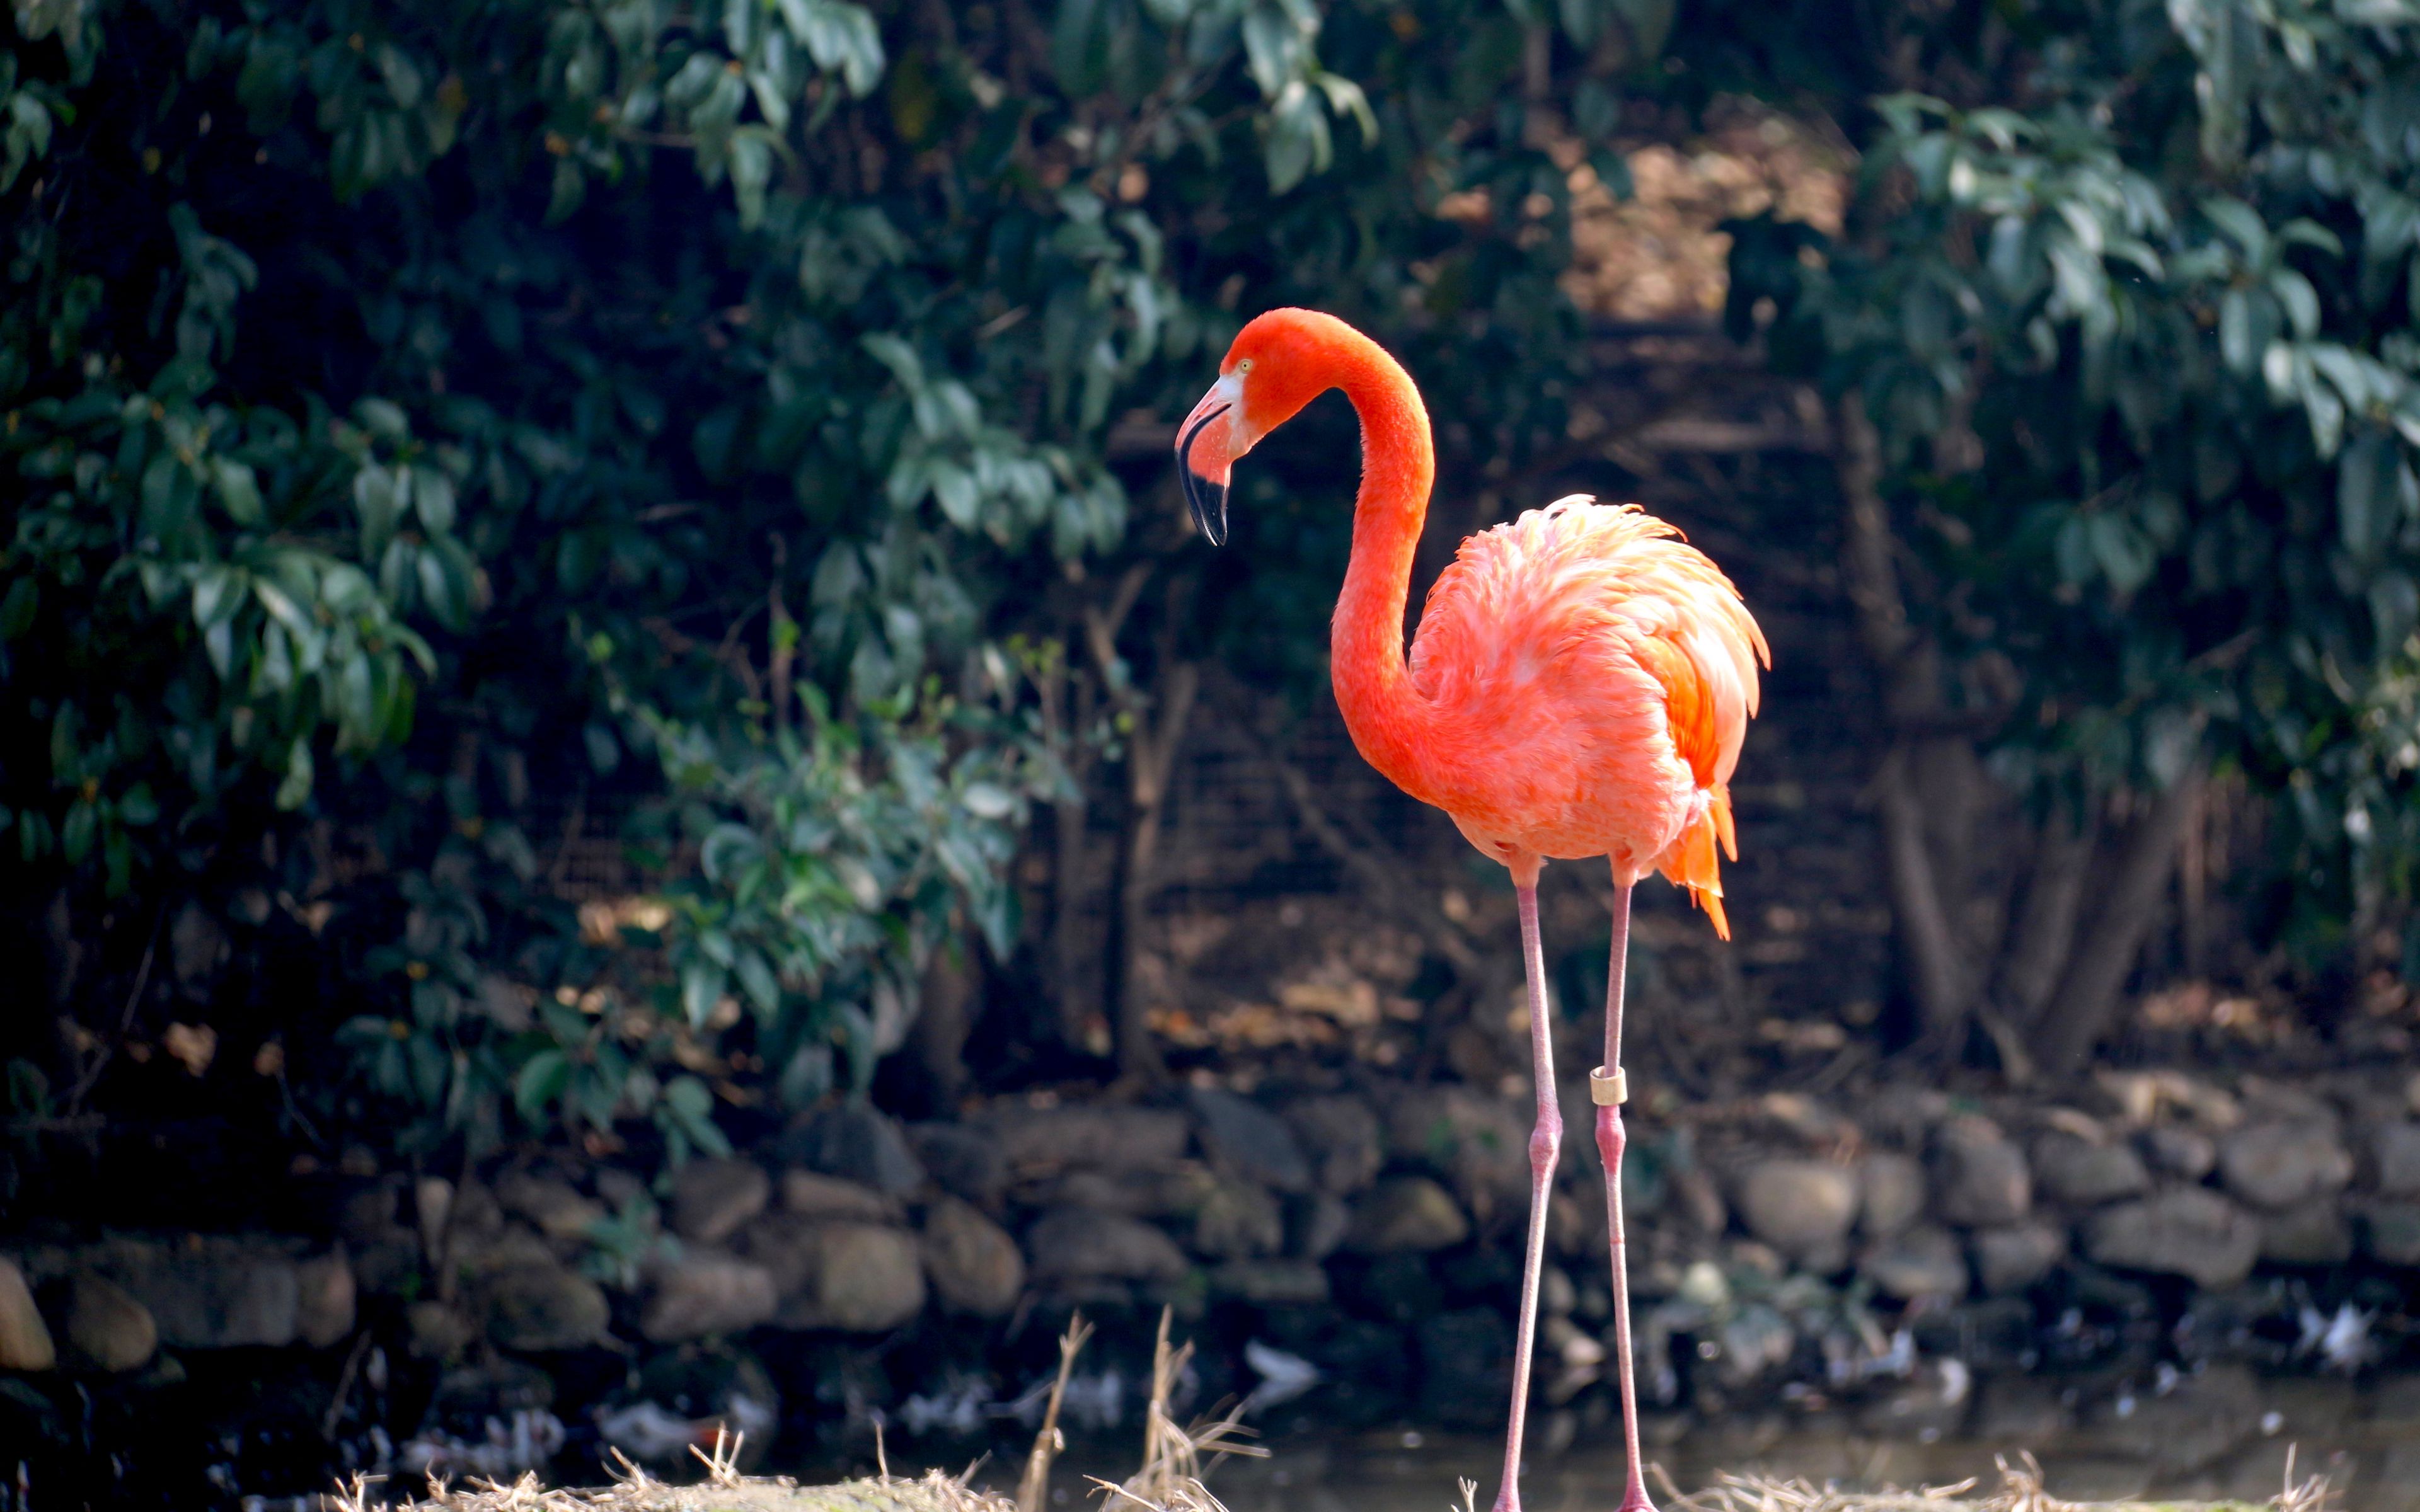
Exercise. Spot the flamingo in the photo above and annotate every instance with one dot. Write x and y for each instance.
(1579, 687)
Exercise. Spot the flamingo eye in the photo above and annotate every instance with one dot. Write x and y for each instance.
(1243, 367)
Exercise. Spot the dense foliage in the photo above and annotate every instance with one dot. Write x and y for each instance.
(429, 425)
(2135, 323)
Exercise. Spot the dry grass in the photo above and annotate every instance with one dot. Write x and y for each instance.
(2020, 1490)
(1177, 1457)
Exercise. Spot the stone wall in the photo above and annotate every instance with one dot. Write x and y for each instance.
(1364, 1236)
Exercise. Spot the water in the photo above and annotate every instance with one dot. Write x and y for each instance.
(2094, 1440)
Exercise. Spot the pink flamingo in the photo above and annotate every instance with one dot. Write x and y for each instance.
(1579, 687)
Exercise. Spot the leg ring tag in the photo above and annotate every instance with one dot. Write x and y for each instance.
(1608, 1089)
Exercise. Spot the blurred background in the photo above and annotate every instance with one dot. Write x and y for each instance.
(627, 803)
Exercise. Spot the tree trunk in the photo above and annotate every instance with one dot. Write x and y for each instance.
(947, 1000)
(2079, 1012)
(1151, 759)
(1070, 701)
(1937, 972)
(2046, 927)
(1939, 976)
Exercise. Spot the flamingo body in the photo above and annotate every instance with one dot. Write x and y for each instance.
(1592, 677)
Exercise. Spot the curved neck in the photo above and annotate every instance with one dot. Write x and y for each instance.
(1373, 689)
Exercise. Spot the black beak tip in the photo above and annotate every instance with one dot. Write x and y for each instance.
(1209, 503)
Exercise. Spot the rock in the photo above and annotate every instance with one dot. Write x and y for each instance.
(974, 1266)
(1905, 1112)
(369, 1212)
(1921, 1262)
(814, 1194)
(1074, 1245)
(2186, 1230)
(387, 1267)
(2313, 1232)
(105, 1329)
(2183, 1152)
(1979, 1177)
(538, 1304)
(711, 1199)
(1175, 1190)
(1271, 1283)
(2395, 1149)
(1892, 1194)
(2390, 1232)
(1250, 1140)
(852, 1139)
(1556, 1293)
(966, 1162)
(465, 1219)
(2084, 1174)
(210, 1291)
(1698, 1199)
(838, 1274)
(554, 1208)
(1342, 1138)
(1480, 1143)
(1316, 1226)
(1239, 1221)
(324, 1300)
(1406, 1213)
(2279, 1165)
(1799, 1207)
(25, 1339)
(2012, 1259)
(1034, 1140)
(438, 1329)
(703, 1293)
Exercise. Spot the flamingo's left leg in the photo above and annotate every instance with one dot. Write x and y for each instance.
(1545, 1144)
(1607, 1090)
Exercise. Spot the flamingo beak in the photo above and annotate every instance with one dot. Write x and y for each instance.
(1205, 453)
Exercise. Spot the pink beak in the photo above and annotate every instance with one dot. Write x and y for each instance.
(1206, 452)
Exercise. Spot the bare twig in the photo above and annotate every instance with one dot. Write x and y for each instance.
(1033, 1491)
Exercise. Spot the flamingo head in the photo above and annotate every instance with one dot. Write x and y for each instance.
(1271, 371)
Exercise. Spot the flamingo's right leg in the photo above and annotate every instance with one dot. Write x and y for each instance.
(1545, 1144)
(1608, 1089)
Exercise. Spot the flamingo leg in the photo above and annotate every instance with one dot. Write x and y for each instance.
(1606, 1088)
(1545, 1144)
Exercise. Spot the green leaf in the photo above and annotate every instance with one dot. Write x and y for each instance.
(77, 834)
(700, 987)
(432, 496)
(17, 610)
(239, 492)
(295, 790)
(2368, 506)
(541, 1084)
(757, 980)
(137, 807)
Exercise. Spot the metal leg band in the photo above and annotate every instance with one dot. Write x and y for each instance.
(1608, 1089)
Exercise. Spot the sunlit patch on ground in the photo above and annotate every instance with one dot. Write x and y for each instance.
(1660, 253)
